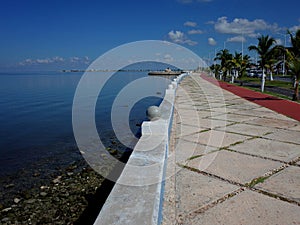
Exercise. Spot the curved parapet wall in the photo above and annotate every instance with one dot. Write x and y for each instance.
(137, 196)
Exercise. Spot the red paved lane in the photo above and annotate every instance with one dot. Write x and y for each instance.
(285, 107)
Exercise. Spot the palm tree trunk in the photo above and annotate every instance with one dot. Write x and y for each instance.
(296, 91)
(263, 81)
(271, 76)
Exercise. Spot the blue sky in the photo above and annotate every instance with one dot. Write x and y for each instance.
(56, 34)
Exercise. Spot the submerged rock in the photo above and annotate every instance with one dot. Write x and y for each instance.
(17, 200)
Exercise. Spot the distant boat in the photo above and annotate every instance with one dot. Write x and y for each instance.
(167, 71)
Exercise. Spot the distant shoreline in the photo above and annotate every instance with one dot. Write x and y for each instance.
(111, 70)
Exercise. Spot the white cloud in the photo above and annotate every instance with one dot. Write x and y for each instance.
(294, 28)
(53, 60)
(237, 39)
(211, 41)
(190, 24)
(42, 61)
(58, 59)
(195, 32)
(243, 26)
(191, 43)
(180, 38)
(84, 60)
(176, 36)
(74, 59)
(26, 62)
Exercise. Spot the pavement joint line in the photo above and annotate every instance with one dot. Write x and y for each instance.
(254, 136)
(254, 116)
(271, 139)
(235, 143)
(268, 174)
(201, 155)
(249, 185)
(260, 125)
(196, 132)
(204, 208)
(194, 157)
(258, 156)
(232, 132)
(220, 148)
(276, 196)
(210, 175)
(294, 162)
(192, 125)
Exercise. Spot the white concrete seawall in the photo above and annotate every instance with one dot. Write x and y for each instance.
(137, 196)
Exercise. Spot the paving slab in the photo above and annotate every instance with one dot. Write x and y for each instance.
(217, 104)
(186, 150)
(295, 128)
(193, 121)
(211, 123)
(248, 129)
(286, 136)
(204, 114)
(234, 166)
(233, 117)
(256, 112)
(184, 130)
(271, 122)
(274, 115)
(216, 138)
(249, 208)
(244, 106)
(222, 109)
(204, 107)
(269, 148)
(194, 190)
(286, 183)
(234, 100)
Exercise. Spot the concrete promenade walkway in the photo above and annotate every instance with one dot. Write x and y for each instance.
(231, 161)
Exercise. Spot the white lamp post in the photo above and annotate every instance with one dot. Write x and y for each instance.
(283, 67)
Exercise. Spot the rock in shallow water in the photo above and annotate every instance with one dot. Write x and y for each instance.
(17, 200)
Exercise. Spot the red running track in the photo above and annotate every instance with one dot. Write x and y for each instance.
(285, 107)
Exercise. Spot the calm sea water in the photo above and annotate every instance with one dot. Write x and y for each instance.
(36, 118)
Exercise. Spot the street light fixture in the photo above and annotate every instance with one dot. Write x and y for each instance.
(283, 67)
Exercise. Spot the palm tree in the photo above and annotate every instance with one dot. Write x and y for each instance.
(237, 61)
(295, 69)
(245, 64)
(265, 49)
(269, 65)
(293, 54)
(224, 56)
(295, 49)
(216, 68)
